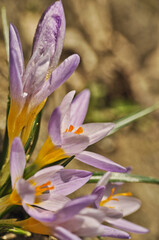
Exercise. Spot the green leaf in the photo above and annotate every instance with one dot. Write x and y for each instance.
(32, 140)
(127, 120)
(19, 231)
(124, 177)
(5, 30)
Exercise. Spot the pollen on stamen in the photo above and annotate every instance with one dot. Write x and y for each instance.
(79, 130)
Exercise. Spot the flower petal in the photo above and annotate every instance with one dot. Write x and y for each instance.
(59, 76)
(38, 213)
(104, 180)
(50, 32)
(96, 131)
(15, 44)
(73, 143)
(129, 226)
(99, 192)
(99, 161)
(17, 160)
(45, 174)
(126, 205)
(72, 208)
(67, 181)
(112, 232)
(51, 203)
(79, 108)
(54, 127)
(63, 234)
(26, 191)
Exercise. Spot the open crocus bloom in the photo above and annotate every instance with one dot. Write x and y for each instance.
(74, 221)
(46, 189)
(68, 136)
(30, 87)
(117, 203)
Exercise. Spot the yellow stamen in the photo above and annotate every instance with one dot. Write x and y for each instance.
(111, 197)
(15, 198)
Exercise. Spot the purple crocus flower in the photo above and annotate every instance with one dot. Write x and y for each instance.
(74, 221)
(46, 189)
(119, 204)
(30, 87)
(68, 135)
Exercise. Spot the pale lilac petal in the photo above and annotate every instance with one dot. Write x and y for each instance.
(98, 214)
(59, 76)
(50, 32)
(72, 208)
(17, 160)
(65, 107)
(63, 234)
(90, 227)
(99, 192)
(112, 232)
(67, 181)
(39, 214)
(129, 226)
(15, 44)
(99, 161)
(45, 174)
(96, 131)
(111, 214)
(26, 191)
(74, 143)
(16, 86)
(79, 108)
(51, 203)
(126, 205)
(54, 127)
(104, 180)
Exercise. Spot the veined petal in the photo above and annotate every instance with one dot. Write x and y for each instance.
(129, 226)
(79, 108)
(99, 192)
(26, 191)
(50, 32)
(104, 180)
(63, 234)
(73, 143)
(38, 213)
(52, 202)
(16, 86)
(59, 76)
(15, 44)
(99, 161)
(125, 204)
(67, 181)
(96, 131)
(54, 127)
(112, 232)
(72, 208)
(65, 107)
(45, 174)
(17, 160)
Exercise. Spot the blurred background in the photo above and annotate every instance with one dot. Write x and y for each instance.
(118, 42)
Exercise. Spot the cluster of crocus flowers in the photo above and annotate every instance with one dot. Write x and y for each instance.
(44, 195)
(30, 87)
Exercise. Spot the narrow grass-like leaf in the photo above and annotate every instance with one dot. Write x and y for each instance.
(5, 30)
(124, 177)
(127, 120)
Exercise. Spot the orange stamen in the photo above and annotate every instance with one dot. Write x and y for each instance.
(43, 188)
(111, 197)
(79, 130)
